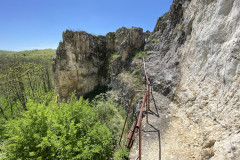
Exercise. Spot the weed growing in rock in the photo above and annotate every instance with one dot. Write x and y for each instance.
(155, 40)
(141, 54)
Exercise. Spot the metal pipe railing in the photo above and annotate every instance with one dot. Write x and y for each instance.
(141, 110)
(138, 123)
(129, 109)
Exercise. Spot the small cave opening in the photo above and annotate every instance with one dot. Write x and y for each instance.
(98, 90)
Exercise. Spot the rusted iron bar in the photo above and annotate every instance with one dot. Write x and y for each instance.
(145, 81)
(140, 141)
(129, 109)
(149, 96)
(145, 73)
(147, 102)
(141, 110)
(130, 137)
(139, 125)
(147, 107)
(133, 135)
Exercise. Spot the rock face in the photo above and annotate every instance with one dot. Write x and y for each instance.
(194, 59)
(82, 61)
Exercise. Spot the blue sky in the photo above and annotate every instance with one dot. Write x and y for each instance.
(38, 24)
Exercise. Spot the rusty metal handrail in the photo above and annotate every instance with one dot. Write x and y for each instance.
(134, 92)
(141, 110)
(146, 100)
(147, 88)
(138, 123)
(145, 73)
(129, 108)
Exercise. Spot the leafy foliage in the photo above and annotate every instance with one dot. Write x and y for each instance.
(114, 56)
(40, 57)
(24, 75)
(68, 131)
(155, 40)
(109, 113)
(140, 54)
(34, 126)
(121, 153)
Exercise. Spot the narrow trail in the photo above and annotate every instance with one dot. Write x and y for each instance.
(152, 132)
(169, 135)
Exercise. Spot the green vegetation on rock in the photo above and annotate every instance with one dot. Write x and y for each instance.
(155, 40)
(114, 56)
(140, 54)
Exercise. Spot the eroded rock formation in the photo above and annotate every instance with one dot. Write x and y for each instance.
(82, 63)
(194, 58)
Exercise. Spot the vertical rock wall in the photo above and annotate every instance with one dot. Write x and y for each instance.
(194, 58)
(82, 63)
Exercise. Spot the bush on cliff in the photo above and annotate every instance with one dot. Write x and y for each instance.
(66, 131)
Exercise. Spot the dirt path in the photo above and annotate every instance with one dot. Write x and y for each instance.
(169, 135)
(152, 131)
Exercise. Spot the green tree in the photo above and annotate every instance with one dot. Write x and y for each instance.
(66, 131)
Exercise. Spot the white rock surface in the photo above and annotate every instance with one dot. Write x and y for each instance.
(205, 109)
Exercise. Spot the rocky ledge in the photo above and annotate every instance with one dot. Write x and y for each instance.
(82, 61)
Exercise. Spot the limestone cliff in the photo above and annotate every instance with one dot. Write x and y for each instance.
(194, 59)
(82, 61)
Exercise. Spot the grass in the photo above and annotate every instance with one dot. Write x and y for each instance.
(4, 52)
(155, 40)
(114, 56)
(133, 81)
(141, 54)
(179, 27)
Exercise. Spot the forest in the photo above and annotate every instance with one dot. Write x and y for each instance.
(34, 126)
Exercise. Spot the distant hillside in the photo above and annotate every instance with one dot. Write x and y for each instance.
(43, 57)
(6, 52)
(36, 53)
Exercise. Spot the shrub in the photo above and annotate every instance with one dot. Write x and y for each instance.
(179, 27)
(108, 113)
(66, 131)
(114, 56)
(121, 153)
(155, 40)
(140, 55)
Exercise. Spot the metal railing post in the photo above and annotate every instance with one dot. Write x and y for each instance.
(140, 141)
(149, 96)
(139, 124)
(146, 107)
(129, 109)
